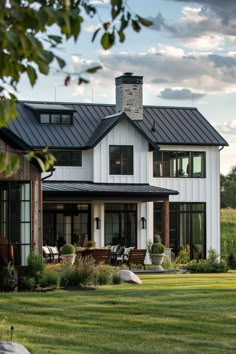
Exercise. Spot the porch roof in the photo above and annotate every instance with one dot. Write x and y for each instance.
(139, 191)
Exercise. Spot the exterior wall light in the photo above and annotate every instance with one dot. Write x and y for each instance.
(143, 222)
(98, 223)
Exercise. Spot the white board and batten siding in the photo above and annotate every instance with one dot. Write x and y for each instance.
(75, 173)
(122, 134)
(195, 190)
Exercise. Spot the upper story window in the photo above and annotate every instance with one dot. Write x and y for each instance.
(121, 160)
(179, 164)
(54, 114)
(68, 158)
(55, 118)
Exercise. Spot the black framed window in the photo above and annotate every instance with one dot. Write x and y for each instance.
(68, 158)
(56, 118)
(15, 222)
(121, 160)
(179, 164)
(187, 226)
(66, 223)
(121, 224)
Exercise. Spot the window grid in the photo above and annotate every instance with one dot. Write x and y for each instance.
(121, 159)
(56, 118)
(191, 164)
(68, 158)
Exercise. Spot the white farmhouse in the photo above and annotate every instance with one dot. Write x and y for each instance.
(126, 172)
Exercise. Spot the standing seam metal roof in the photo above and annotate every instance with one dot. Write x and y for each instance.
(173, 126)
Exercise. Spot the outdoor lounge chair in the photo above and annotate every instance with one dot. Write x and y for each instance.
(102, 255)
(46, 254)
(55, 257)
(136, 256)
(51, 254)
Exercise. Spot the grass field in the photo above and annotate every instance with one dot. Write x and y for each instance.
(228, 230)
(181, 313)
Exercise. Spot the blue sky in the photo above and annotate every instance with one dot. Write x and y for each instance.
(188, 58)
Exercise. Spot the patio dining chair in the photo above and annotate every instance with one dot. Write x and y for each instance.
(102, 255)
(136, 256)
(55, 256)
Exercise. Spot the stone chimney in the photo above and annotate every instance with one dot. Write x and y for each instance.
(129, 95)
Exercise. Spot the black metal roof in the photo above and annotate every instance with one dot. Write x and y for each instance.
(106, 190)
(161, 125)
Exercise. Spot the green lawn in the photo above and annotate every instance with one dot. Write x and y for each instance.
(167, 314)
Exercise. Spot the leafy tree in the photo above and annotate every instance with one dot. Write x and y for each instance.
(27, 46)
(228, 189)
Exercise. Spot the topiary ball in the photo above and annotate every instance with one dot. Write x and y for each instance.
(158, 248)
(68, 249)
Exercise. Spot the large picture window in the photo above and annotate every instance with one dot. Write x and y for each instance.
(187, 226)
(121, 160)
(68, 158)
(179, 164)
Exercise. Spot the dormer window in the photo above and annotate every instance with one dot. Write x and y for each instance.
(55, 118)
(52, 114)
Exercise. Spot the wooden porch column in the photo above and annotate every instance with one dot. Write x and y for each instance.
(166, 230)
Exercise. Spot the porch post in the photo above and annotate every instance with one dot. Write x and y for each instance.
(166, 230)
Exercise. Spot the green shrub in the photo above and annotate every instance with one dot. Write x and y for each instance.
(158, 248)
(50, 278)
(184, 255)
(27, 283)
(8, 278)
(116, 279)
(68, 249)
(66, 275)
(35, 265)
(232, 260)
(210, 265)
(168, 264)
(82, 273)
(102, 279)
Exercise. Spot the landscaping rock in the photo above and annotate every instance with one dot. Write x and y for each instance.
(129, 277)
(11, 347)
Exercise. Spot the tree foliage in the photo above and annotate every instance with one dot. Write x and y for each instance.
(228, 189)
(28, 42)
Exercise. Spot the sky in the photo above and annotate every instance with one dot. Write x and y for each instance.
(187, 58)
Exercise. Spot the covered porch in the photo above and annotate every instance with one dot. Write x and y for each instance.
(109, 214)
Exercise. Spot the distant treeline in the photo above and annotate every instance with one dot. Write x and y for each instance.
(228, 189)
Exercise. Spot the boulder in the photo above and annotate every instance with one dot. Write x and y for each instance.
(129, 277)
(11, 347)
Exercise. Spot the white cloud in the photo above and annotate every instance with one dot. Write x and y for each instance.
(91, 28)
(180, 94)
(201, 72)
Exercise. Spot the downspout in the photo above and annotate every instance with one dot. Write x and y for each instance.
(48, 176)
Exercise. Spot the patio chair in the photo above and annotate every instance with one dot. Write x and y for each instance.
(115, 250)
(46, 254)
(136, 256)
(55, 256)
(102, 255)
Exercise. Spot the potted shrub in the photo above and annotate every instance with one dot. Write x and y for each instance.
(90, 244)
(158, 254)
(68, 253)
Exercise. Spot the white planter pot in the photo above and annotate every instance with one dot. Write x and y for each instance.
(158, 259)
(68, 258)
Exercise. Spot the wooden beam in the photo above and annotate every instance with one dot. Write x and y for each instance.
(166, 221)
